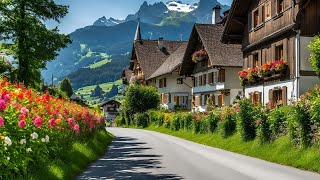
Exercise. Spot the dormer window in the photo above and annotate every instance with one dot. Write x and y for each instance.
(280, 6)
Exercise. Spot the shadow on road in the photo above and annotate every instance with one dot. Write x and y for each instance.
(124, 158)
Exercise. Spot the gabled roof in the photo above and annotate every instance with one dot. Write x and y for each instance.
(220, 54)
(172, 62)
(150, 57)
(109, 102)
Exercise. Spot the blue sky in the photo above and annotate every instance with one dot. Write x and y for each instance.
(85, 12)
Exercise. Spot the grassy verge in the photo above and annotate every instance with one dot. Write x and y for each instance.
(76, 159)
(282, 151)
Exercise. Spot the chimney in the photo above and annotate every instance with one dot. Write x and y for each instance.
(216, 14)
(160, 44)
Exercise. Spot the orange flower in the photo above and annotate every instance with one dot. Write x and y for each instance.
(58, 121)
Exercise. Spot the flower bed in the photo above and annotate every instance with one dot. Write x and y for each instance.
(199, 55)
(266, 72)
(35, 128)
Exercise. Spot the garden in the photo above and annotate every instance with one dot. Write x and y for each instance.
(40, 134)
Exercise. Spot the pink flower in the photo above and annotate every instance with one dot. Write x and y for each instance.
(22, 117)
(24, 110)
(22, 124)
(3, 105)
(6, 98)
(76, 128)
(1, 121)
(37, 122)
(51, 122)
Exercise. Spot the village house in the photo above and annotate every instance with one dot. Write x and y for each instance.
(157, 63)
(110, 109)
(274, 35)
(212, 65)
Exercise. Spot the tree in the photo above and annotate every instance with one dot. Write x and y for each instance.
(23, 23)
(113, 92)
(139, 99)
(97, 92)
(66, 87)
(314, 59)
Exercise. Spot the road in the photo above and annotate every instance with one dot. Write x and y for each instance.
(141, 154)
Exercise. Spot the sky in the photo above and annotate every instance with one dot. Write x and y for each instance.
(84, 12)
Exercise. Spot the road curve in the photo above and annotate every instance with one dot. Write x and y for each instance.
(141, 154)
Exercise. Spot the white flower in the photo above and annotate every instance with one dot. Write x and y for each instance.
(8, 141)
(23, 141)
(47, 138)
(43, 140)
(34, 135)
(8, 158)
(29, 150)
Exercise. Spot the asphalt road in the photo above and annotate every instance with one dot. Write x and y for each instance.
(140, 154)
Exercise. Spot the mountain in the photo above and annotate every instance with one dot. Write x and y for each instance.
(107, 22)
(103, 48)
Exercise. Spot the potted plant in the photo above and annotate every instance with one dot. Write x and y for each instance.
(199, 55)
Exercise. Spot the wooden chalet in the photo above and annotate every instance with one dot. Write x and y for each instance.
(110, 109)
(270, 31)
(213, 67)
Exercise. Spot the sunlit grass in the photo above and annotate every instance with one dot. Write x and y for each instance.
(282, 151)
(99, 64)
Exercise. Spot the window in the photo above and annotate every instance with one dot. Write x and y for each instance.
(163, 83)
(267, 10)
(222, 74)
(255, 60)
(200, 81)
(194, 81)
(169, 98)
(215, 77)
(204, 79)
(255, 18)
(263, 14)
(280, 6)
(211, 78)
(277, 96)
(279, 52)
(256, 98)
(220, 100)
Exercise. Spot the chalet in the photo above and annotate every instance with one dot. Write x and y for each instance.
(175, 91)
(156, 63)
(212, 65)
(110, 109)
(274, 35)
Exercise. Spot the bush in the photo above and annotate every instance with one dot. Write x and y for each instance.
(213, 120)
(246, 114)
(166, 119)
(228, 121)
(196, 126)
(187, 120)
(141, 120)
(204, 125)
(263, 126)
(119, 122)
(175, 122)
(314, 47)
(140, 99)
(278, 122)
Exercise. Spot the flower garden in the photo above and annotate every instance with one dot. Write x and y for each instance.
(266, 70)
(36, 128)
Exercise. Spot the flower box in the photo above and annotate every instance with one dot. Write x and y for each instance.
(199, 56)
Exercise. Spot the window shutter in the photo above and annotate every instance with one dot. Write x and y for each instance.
(273, 8)
(285, 49)
(222, 75)
(271, 95)
(284, 95)
(205, 79)
(165, 82)
(220, 100)
(213, 99)
(209, 78)
(273, 52)
(194, 81)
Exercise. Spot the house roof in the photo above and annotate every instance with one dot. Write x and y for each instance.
(109, 102)
(172, 62)
(150, 57)
(220, 54)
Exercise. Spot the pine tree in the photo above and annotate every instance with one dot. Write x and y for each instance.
(66, 87)
(23, 23)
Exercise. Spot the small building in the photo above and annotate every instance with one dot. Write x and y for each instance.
(212, 66)
(274, 35)
(110, 109)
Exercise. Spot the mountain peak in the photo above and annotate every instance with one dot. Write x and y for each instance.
(103, 21)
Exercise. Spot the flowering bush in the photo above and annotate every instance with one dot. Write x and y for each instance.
(35, 128)
(314, 59)
(199, 55)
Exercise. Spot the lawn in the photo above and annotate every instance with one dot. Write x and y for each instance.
(76, 159)
(282, 151)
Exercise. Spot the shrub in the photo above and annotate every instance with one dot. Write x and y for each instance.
(187, 120)
(278, 122)
(166, 119)
(228, 121)
(140, 99)
(196, 126)
(213, 120)
(175, 122)
(263, 126)
(246, 114)
(204, 125)
(314, 47)
(118, 121)
(141, 120)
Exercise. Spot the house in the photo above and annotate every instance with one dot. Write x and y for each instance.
(212, 66)
(156, 63)
(274, 35)
(110, 109)
(175, 91)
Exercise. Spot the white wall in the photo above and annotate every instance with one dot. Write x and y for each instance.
(305, 65)
(307, 82)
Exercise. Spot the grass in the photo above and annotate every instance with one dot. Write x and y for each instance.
(282, 151)
(99, 64)
(76, 159)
